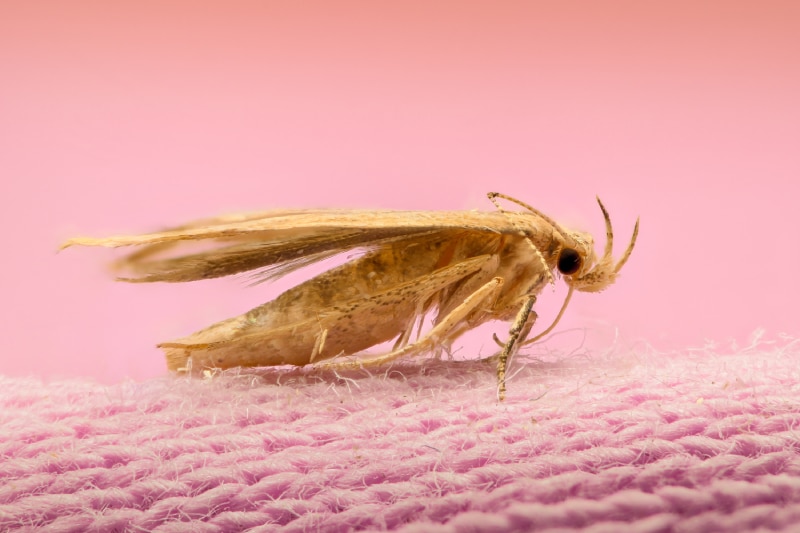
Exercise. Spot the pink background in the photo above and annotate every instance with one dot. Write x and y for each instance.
(128, 116)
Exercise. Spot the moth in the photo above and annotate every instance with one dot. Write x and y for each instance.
(457, 269)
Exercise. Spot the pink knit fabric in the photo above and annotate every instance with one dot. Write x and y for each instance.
(698, 441)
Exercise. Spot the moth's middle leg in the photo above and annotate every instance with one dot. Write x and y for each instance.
(441, 331)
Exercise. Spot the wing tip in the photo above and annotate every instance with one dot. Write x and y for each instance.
(88, 241)
(74, 241)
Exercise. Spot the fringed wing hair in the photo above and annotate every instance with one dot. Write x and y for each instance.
(278, 242)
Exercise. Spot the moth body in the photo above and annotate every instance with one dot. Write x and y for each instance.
(454, 269)
(367, 301)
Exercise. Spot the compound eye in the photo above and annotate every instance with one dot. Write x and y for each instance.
(569, 261)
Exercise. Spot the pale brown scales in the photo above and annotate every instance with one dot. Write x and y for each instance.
(468, 266)
(293, 342)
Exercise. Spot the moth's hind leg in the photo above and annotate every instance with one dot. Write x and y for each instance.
(443, 331)
(405, 336)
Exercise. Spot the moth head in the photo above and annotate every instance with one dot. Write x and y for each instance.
(577, 262)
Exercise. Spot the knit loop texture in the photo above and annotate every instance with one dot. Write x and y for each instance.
(693, 441)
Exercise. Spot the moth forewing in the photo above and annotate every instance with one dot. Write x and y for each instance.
(459, 268)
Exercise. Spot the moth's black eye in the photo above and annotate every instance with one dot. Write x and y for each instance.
(569, 261)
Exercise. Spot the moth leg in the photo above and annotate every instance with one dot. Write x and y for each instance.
(516, 337)
(404, 337)
(450, 301)
(319, 345)
(441, 331)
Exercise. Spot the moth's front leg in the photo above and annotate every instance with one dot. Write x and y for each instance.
(519, 331)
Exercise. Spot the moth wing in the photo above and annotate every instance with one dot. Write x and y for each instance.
(349, 327)
(220, 227)
(291, 224)
(270, 258)
(282, 241)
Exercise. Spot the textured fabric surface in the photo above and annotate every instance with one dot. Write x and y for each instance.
(698, 441)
